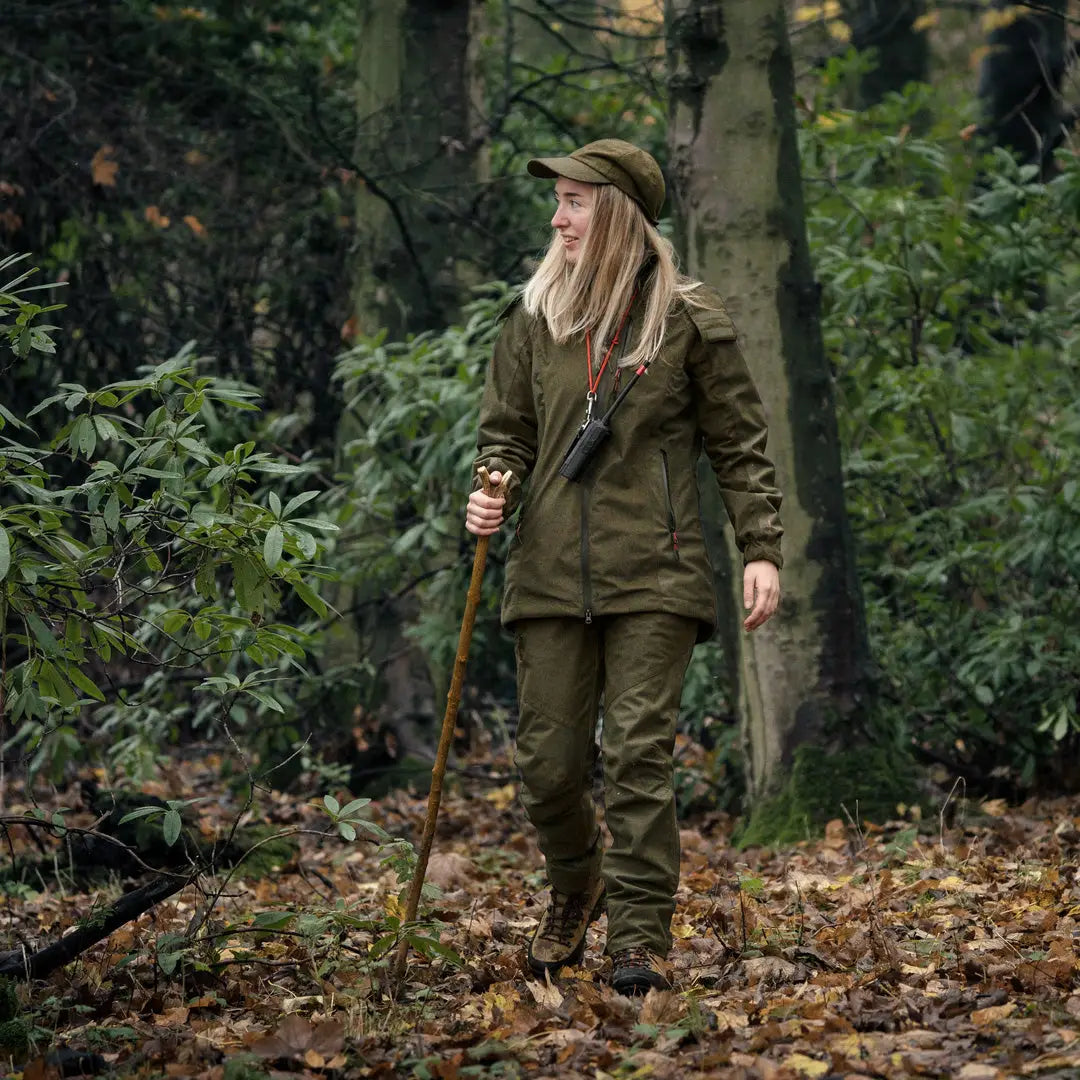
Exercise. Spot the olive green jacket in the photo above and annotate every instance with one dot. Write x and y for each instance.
(628, 537)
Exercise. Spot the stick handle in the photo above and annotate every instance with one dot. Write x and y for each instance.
(453, 699)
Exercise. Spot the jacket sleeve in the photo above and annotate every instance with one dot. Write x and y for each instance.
(507, 430)
(732, 421)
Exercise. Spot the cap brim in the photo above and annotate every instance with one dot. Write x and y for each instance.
(552, 167)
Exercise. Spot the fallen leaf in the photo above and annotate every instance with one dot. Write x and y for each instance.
(503, 797)
(194, 224)
(662, 1007)
(449, 870)
(772, 969)
(993, 1013)
(545, 994)
(974, 1070)
(806, 1066)
(102, 169)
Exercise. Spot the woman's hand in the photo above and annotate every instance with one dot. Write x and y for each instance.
(761, 592)
(484, 515)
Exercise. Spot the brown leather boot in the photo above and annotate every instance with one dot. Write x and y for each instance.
(560, 938)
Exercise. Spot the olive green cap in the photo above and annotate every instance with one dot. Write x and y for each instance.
(611, 161)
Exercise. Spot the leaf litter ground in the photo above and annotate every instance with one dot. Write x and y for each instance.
(902, 949)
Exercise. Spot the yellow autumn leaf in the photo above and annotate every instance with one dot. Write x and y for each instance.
(808, 12)
(502, 797)
(806, 1066)
(393, 907)
(831, 9)
(683, 930)
(102, 170)
(924, 22)
(952, 883)
(194, 224)
(839, 30)
(830, 120)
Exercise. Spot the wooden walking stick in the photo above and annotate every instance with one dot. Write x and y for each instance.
(453, 698)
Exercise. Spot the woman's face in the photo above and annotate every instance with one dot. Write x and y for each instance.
(571, 221)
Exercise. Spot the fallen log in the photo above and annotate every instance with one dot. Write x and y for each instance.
(20, 964)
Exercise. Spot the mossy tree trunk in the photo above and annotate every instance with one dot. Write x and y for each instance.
(890, 28)
(1020, 81)
(803, 677)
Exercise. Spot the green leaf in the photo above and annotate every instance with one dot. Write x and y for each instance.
(112, 511)
(171, 827)
(143, 811)
(331, 804)
(273, 544)
(346, 830)
(273, 920)
(298, 500)
(5, 553)
(83, 683)
(310, 598)
(168, 961)
(44, 635)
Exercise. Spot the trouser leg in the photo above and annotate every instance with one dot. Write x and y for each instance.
(645, 660)
(559, 678)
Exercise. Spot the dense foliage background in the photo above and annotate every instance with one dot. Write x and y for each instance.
(178, 566)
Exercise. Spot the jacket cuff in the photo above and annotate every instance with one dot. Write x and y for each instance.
(768, 552)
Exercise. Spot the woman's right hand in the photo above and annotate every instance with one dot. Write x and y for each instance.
(484, 514)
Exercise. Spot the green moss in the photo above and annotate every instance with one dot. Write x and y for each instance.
(244, 1067)
(9, 1000)
(866, 784)
(273, 852)
(14, 1038)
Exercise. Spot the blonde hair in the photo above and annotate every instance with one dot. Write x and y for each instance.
(592, 294)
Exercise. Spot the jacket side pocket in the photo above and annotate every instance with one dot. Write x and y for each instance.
(673, 525)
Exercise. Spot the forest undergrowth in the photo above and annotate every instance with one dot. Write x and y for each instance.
(938, 945)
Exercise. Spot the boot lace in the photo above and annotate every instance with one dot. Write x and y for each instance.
(564, 916)
(635, 957)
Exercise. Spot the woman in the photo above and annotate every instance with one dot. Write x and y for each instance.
(608, 585)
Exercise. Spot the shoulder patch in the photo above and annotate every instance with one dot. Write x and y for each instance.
(713, 322)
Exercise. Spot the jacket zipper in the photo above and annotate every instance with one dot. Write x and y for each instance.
(586, 582)
(672, 525)
(586, 491)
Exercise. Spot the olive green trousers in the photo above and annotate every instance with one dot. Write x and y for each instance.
(635, 664)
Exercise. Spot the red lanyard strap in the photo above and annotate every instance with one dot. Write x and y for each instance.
(591, 382)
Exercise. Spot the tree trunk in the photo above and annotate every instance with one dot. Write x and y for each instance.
(738, 198)
(1020, 82)
(418, 143)
(417, 155)
(902, 50)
